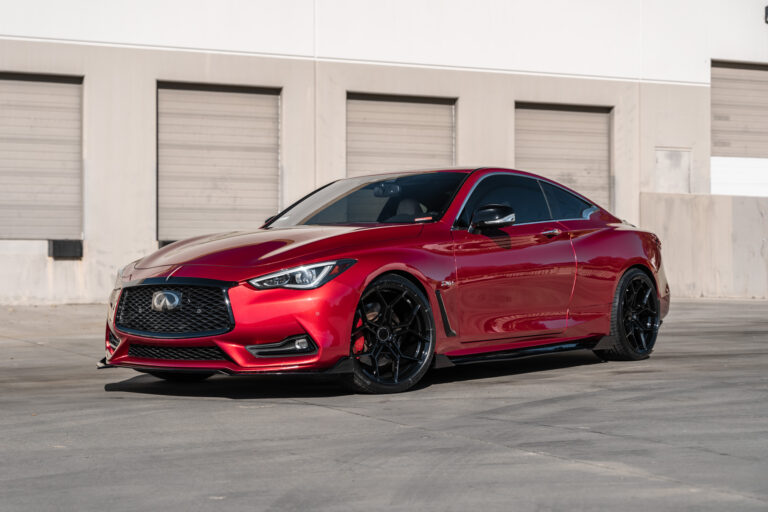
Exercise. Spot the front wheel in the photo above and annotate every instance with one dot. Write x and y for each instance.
(635, 319)
(393, 336)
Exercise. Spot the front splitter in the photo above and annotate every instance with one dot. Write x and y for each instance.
(342, 366)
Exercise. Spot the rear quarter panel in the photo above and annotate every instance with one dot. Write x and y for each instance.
(604, 252)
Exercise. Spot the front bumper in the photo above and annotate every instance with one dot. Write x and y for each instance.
(261, 317)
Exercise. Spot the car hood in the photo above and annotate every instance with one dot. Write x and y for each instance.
(265, 246)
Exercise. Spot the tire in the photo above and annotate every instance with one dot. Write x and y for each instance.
(635, 319)
(181, 376)
(392, 340)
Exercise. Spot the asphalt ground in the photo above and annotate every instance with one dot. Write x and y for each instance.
(685, 430)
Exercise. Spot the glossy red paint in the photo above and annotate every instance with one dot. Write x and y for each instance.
(530, 284)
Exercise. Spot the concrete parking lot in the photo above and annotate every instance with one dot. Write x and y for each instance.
(684, 430)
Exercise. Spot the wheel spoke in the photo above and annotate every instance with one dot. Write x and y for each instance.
(646, 296)
(398, 299)
(396, 369)
(642, 340)
(410, 320)
(418, 335)
(375, 360)
(382, 302)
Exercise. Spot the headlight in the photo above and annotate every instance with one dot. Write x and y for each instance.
(304, 277)
(119, 278)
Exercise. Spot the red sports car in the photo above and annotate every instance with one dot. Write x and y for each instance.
(380, 278)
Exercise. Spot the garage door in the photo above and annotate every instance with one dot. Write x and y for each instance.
(570, 145)
(739, 110)
(390, 133)
(218, 159)
(40, 157)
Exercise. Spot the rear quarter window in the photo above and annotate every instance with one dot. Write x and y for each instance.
(563, 204)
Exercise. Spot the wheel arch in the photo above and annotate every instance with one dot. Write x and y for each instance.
(411, 274)
(419, 282)
(645, 270)
(407, 275)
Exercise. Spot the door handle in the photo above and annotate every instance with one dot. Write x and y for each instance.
(552, 233)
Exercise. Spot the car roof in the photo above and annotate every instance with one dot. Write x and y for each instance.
(463, 169)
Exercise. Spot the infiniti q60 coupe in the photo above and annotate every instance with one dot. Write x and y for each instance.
(380, 278)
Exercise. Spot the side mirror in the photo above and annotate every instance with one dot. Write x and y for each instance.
(491, 216)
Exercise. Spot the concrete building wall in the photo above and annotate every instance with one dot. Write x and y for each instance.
(119, 148)
(119, 154)
(647, 60)
(712, 245)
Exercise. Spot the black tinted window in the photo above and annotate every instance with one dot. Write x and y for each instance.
(564, 205)
(521, 194)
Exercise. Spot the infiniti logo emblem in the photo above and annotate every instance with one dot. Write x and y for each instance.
(165, 300)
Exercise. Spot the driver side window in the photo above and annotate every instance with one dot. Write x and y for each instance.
(518, 192)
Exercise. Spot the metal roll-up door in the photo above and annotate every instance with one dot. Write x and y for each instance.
(41, 194)
(739, 110)
(570, 145)
(218, 159)
(390, 133)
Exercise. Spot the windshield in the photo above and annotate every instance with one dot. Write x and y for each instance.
(394, 198)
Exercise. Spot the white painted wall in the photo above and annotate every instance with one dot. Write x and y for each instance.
(558, 36)
(280, 27)
(659, 40)
(739, 176)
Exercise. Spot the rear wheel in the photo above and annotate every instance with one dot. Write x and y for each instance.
(635, 319)
(393, 336)
(181, 376)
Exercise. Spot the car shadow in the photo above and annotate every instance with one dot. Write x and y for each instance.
(522, 366)
(297, 386)
(235, 387)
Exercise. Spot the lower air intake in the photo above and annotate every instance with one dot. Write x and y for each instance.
(177, 353)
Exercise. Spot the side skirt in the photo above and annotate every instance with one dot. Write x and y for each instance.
(507, 355)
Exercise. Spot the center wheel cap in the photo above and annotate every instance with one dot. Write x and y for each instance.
(383, 334)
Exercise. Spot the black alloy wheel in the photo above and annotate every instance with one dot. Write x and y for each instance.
(393, 336)
(635, 318)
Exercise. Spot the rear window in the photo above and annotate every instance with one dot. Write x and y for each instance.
(563, 204)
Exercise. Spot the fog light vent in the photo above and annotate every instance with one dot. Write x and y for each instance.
(113, 341)
(293, 346)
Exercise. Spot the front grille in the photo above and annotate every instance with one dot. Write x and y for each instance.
(177, 353)
(113, 341)
(203, 311)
